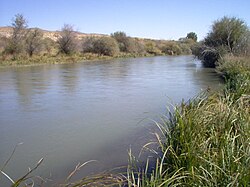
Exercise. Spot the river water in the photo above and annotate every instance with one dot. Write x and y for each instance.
(73, 113)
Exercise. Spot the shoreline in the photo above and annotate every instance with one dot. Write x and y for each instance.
(62, 59)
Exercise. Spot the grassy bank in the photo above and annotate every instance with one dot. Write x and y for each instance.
(207, 141)
(62, 59)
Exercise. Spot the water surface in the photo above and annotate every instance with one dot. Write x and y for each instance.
(78, 112)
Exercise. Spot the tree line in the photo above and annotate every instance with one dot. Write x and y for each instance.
(27, 42)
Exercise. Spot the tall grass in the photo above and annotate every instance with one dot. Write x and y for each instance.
(206, 141)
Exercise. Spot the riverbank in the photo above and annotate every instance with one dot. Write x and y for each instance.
(207, 141)
(62, 59)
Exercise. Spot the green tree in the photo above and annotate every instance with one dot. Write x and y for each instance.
(16, 42)
(226, 32)
(33, 41)
(228, 35)
(67, 41)
(192, 36)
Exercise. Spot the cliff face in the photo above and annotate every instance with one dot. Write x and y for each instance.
(54, 35)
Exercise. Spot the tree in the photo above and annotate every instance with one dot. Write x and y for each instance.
(226, 32)
(17, 39)
(33, 41)
(192, 36)
(228, 35)
(67, 41)
(106, 46)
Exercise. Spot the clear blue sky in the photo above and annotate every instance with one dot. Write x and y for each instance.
(159, 19)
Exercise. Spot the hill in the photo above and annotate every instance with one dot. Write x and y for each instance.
(54, 35)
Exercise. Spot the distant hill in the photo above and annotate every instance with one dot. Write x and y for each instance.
(54, 35)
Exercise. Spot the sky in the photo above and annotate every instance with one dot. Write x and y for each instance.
(156, 19)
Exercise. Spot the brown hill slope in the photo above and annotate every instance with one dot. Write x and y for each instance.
(7, 31)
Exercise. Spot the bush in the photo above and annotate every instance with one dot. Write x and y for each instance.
(185, 49)
(49, 46)
(67, 41)
(122, 40)
(88, 45)
(171, 48)
(151, 48)
(106, 46)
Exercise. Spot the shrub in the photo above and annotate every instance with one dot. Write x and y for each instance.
(122, 40)
(171, 48)
(67, 41)
(151, 48)
(106, 46)
(88, 45)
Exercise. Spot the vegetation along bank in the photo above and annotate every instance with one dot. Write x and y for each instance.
(20, 45)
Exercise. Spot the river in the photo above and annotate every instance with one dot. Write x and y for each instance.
(73, 113)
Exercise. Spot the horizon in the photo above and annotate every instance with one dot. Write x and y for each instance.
(159, 20)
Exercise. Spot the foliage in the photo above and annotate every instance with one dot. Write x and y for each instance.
(3, 43)
(128, 44)
(243, 46)
(134, 46)
(171, 48)
(151, 48)
(139, 47)
(185, 49)
(228, 35)
(122, 39)
(16, 43)
(67, 41)
(33, 41)
(49, 46)
(226, 32)
(193, 36)
(106, 46)
(236, 71)
(88, 44)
